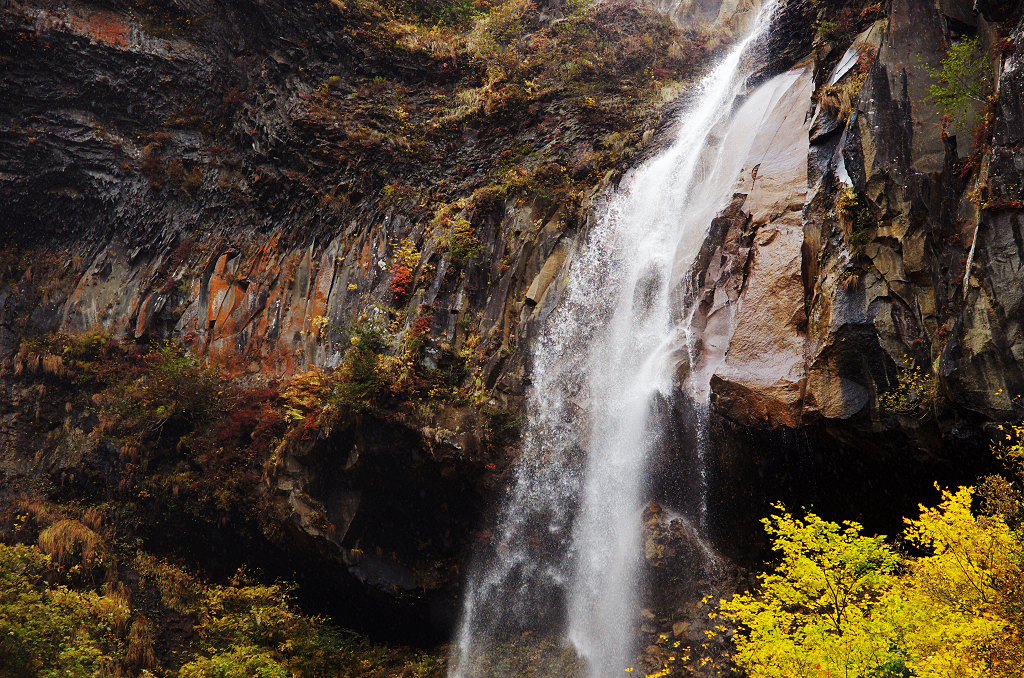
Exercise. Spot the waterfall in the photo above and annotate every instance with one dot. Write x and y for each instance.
(562, 566)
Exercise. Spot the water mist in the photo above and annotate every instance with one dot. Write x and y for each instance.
(567, 547)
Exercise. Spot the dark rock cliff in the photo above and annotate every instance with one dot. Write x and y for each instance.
(248, 179)
(860, 312)
(263, 184)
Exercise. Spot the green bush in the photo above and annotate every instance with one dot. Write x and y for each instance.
(245, 630)
(52, 631)
(964, 81)
(462, 242)
(239, 662)
(253, 631)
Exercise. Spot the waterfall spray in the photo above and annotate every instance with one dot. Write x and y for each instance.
(567, 546)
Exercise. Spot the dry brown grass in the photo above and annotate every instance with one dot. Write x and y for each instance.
(66, 539)
(54, 365)
(29, 361)
(139, 653)
(117, 592)
(92, 518)
(118, 598)
(838, 99)
(36, 508)
(33, 512)
(849, 280)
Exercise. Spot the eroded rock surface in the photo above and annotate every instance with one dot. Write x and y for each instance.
(241, 179)
(825, 305)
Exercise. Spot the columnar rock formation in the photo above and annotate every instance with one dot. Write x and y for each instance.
(812, 311)
(240, 177)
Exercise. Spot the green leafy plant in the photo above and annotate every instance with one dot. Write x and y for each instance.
(53, 631)
(856, 218)
(964, 80)
(179, 591)
(380, 370)
(847, 202)
(244, 629)
(462, 242)
(252, 630)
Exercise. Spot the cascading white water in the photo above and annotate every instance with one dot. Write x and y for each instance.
(567, 546)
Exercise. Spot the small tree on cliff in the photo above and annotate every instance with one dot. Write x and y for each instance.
(963, 82)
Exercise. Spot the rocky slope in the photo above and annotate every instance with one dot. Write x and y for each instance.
(353, 213)
(363, 209)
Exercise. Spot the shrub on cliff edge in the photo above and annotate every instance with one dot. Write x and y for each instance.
(963, 82)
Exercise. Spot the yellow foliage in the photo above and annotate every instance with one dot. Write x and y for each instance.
(837, 605)
(408, 254)
(833, 571)
(1011, 449)
(915, 388)
(847, 202)
(952, 591)
(179, 591)
(969, 553)
(52, 631)
(462, 242)
(318, 324)
(304, 394)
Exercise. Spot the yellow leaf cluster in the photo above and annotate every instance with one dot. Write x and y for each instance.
(408, 254)
(303, 394)
(844, 604)
(915, 388)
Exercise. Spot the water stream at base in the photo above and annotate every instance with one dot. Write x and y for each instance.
(563, 562)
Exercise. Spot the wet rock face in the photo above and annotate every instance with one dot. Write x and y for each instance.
(684, 579)
(229, 173)
(174, 149)
(754, 328)
(828, 304)
(860, 314)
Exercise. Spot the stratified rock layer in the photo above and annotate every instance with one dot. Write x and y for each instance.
(196, 175)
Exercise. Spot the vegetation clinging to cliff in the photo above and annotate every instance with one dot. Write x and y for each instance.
(963, 82)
